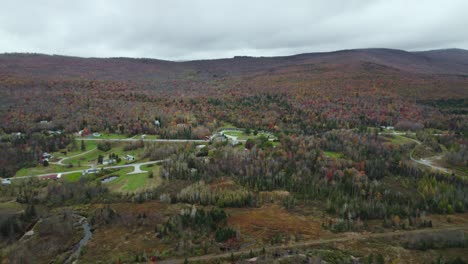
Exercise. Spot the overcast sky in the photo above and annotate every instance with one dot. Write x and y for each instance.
(182, 30)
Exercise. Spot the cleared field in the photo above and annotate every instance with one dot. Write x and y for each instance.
(121, 240)
(271, 220)
(134, 182)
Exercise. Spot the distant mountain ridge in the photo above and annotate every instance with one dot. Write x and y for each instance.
(440, 70)
(444, 61)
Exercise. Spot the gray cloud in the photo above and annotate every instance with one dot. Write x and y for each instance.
(180, 30)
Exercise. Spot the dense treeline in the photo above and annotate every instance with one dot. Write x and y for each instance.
(354, 187)
(23, 151)
(132, 107)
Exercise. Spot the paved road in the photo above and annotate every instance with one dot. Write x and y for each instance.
(136, 166)
(316, 242)
(152, 140)
(136, 169)
(145, 140)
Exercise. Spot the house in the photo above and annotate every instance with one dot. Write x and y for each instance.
(232, 139)
(46, 156)
(157, 123)
(6, 181)
(200, 147)
(43, 122)
(51, 177)
(56, 132)
(89, 171)
(18, 135)
(83, 132)
(108, 161)
(129, 157)
(218, 137)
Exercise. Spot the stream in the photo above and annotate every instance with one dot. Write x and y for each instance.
(86, 237)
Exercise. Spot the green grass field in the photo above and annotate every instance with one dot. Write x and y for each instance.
(89, 146)
(242, 135)
(44, 170)
(117, 148)
(398, 139)
(134, 182)
(72, 177)
(111, 136)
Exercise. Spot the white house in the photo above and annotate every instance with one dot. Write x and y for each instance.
(46, 156)
(108, 161)
(89, 171)
(6, 181)
(129, 157)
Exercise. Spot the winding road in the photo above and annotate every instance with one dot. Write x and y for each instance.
(428, 161)
(60, 162)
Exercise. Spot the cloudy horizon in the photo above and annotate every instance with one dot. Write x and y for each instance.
(182, 30)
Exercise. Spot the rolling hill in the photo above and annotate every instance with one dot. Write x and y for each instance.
(429, 74)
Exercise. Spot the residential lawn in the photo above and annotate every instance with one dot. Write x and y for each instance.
(52, 168)
(72, 177)
(242, 136)
(146, 136)
(334, 155)
(88, 143)
(398, 139)
(110, 136)
(117, 148)
(134, 182)
(86, 158)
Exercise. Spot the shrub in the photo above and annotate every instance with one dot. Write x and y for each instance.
(224, 234)
(104, 146)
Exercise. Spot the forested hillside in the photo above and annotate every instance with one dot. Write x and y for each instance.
(166, 160)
